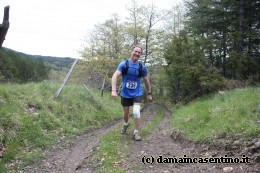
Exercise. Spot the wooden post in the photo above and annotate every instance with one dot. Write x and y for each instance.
(86, 88)
(4, 26)
(66, 79)
(103, 85)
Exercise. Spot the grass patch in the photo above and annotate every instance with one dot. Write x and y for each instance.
(147, 130)
(233, 113)
(112, 152)
(113, 148)
(32, 120)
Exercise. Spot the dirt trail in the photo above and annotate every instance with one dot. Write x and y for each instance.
(78, 156)
(159, 143)
(70, 159)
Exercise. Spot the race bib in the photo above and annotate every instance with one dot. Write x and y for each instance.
(131, 84)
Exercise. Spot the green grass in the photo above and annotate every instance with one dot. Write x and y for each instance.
(114, 149)
(234, 113)
(151, 124)
(31, 120)
(111, 152)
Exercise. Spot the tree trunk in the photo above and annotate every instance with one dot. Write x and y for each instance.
(241, 25)
(4, 26)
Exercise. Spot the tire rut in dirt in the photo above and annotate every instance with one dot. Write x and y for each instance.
(160, 145)
(74, 157)
(90, 164)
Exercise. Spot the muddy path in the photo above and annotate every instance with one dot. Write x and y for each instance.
(70, 158)
(159, 146)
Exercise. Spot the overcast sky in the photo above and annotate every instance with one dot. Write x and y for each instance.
(58, 27)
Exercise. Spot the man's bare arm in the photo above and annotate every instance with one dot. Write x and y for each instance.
(113, 83)
(148, 88)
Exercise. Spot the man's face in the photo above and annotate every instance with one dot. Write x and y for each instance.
(136, 53)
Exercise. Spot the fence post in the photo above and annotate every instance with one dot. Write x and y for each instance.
(65, 79)
(103, 85)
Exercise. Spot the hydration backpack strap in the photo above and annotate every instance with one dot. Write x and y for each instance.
(125, 69)
(140, 70)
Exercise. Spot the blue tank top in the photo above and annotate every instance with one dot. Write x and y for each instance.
(131, 86)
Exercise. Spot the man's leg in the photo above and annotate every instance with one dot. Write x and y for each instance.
(126, 117)
(136, 112)
(137, 120)
(126, 114)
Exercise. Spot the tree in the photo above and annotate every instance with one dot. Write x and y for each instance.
(141, 26)
(174, 21)
(106, 40)
(134, 24)
(188, 74)
(230, 27)
(16, 68)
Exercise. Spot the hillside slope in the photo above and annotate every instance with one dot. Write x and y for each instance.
(32, 123)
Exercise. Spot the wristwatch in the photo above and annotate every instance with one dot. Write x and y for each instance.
(150, 93)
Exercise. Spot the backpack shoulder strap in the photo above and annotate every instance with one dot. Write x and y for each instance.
(140, 70)
(124, 71)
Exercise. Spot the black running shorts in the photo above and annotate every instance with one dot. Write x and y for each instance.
(126, 102)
